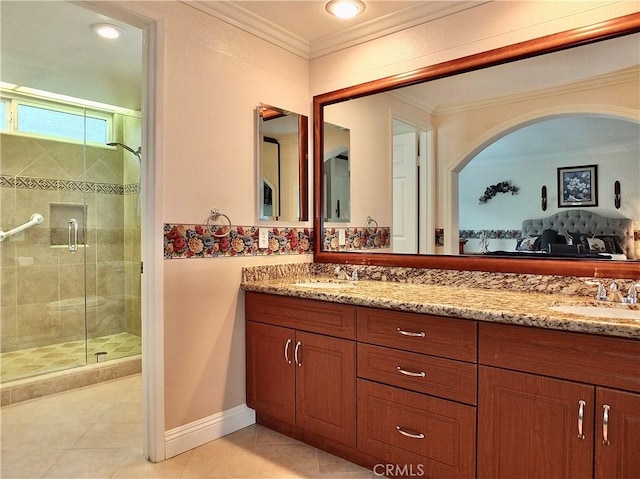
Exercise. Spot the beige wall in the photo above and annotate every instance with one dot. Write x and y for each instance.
(213, 77)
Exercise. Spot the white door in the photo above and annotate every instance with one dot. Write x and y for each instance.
(405, 193)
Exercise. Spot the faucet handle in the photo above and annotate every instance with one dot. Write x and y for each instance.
(632, 294)
(601, 295)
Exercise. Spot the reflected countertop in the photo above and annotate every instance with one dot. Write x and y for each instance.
(502, 306)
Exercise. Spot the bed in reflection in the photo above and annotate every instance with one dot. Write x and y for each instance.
(574, 234)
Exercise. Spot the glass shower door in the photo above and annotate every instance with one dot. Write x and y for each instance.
(43, 266)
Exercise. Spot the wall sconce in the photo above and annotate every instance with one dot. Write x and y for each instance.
(543, 195)
(616, 194)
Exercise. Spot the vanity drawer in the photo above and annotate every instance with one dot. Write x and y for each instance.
(419, 372)
(332, 319)
(436, 437)
(420, 333)
(599, 360)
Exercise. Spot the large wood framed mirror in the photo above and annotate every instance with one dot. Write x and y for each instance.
(442, 175)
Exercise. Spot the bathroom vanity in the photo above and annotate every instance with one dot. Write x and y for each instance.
(412, 379)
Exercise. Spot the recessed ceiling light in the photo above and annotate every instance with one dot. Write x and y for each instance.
(345, 8)
(107, 30)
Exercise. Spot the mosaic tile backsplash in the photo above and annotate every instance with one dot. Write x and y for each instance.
(198, 241)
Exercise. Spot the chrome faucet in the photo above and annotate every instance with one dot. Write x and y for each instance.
(614, 295)
(342, 274)
(632, 294)
(601, 295)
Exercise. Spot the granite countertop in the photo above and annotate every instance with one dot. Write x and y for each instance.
(502, 306)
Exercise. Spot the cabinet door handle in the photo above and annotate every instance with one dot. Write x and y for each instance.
(286, 351)
(605, 425)
(295, 354)
(421, 334)
(581, 405)
(421, 374)
(408, 434)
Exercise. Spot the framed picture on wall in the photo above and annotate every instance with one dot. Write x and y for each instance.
(578, 186)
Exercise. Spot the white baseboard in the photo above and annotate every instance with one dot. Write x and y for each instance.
(197, 433)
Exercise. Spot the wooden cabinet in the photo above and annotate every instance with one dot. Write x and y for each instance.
(271, 381)
(430, 396)
(302, 378)
(617, 449)
(417, 392)
(533, 425)
(528, 426)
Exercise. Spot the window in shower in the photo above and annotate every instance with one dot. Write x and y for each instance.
(41, 117)
(3, 115)
(61, 124)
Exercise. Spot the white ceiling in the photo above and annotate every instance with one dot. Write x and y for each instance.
(49, 46)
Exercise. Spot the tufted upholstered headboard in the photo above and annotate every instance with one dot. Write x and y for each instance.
(582, 221)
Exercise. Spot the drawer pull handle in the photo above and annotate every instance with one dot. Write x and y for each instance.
(421, 374)
(421, 334)
(605, 425)
(408, 434)
(295, 354)
(286, 351)
(581, 405)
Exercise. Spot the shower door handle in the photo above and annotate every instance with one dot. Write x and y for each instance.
(73, 235)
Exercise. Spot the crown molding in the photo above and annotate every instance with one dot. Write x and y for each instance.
(234, 14)
(422, 12)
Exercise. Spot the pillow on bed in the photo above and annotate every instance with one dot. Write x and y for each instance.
(604, 244)
(577, 239)
(612, 243)
(550, 237)
(596, 245)
(530, 243)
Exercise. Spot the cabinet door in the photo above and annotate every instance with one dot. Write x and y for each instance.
(325, 386)
(270, 370)
(617, 450)
(528, 426)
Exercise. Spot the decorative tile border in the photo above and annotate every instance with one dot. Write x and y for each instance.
(491, 234)
(357, 238)
(32, 183)
(197, 241)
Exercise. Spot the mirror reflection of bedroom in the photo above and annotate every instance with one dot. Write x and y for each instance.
(514, 196)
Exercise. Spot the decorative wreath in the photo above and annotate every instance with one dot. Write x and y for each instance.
(502, 187)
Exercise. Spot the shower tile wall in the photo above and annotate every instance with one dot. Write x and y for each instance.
(42, 286)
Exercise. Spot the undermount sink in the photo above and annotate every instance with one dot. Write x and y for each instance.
(325, 284)
(617, 311)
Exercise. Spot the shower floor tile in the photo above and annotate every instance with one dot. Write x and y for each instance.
(30, 362)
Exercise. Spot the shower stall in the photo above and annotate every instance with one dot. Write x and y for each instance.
(70, 222)
(71, 282)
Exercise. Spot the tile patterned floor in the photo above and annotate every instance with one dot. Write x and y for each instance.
(30, 362)
(96, 433)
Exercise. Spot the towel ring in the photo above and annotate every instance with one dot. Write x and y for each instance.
(214, 216)
(371, 221)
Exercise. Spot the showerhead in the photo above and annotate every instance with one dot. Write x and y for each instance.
(128, 148)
